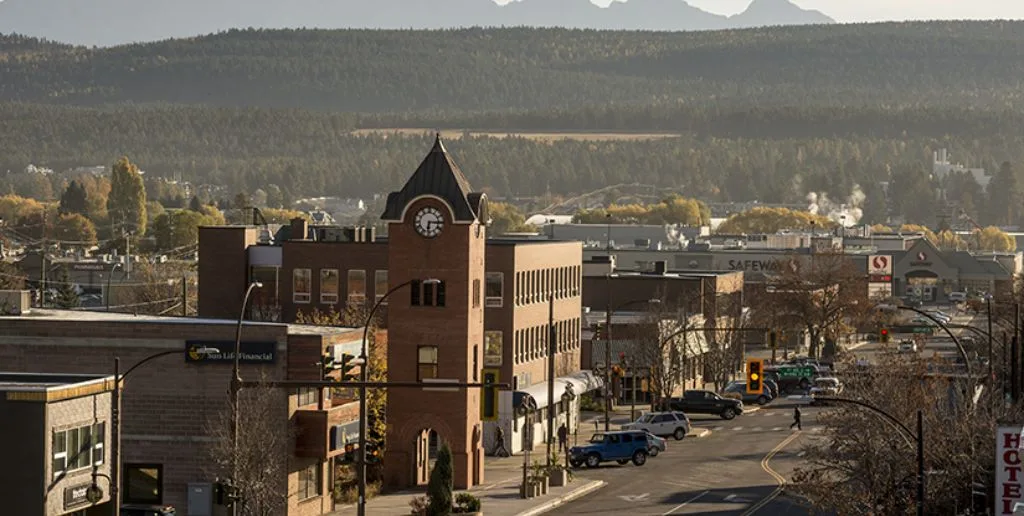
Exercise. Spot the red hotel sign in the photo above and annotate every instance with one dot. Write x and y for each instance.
(1009, 474)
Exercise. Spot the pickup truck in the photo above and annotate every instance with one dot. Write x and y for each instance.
(706, 402)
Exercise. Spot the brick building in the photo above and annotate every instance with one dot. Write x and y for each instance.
(171, 405)
(334, 268)
(54, 435)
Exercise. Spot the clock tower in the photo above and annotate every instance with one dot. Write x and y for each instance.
(436, 242)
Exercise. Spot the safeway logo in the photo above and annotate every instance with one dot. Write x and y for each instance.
(922, 257)
(880, 264)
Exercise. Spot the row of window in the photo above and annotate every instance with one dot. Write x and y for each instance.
(143, 483)
(302, 285)
(77, 448)
(538, 285)
(532, 343)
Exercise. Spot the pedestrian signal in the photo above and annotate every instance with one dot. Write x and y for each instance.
(755, 372)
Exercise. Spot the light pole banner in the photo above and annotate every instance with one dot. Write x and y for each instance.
(1009, 474)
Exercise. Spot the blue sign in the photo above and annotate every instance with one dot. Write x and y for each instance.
(251, 352)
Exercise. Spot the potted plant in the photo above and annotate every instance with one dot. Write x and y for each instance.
(466, 503)
(540, 475)
(558, 474)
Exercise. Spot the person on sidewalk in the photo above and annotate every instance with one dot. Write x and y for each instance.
(499, 443)
(563, 437)
(796, 419)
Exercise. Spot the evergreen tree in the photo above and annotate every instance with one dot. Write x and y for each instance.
(127, 202)
(1004, 197)
(194, 204)
(74, 199)
(66, 296)
(442, 483)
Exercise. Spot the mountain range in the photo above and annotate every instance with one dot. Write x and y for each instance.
(116, 22)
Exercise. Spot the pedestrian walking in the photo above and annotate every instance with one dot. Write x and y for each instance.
(499, 443)
(563, 437)
(796, 419)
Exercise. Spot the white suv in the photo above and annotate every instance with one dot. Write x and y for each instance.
(676, 424)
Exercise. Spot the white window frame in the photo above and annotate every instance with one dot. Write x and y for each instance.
(355, 297)
(494, 301)
(328, 298)
(379, 293)
(302, 297)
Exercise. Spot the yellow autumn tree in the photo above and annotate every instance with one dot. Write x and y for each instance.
(773, 220)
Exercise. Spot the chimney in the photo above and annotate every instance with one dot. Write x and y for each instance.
(299, 229)
(371, 234)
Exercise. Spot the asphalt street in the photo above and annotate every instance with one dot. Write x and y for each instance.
(732, 471)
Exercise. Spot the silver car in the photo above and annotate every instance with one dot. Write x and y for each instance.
(676, 424)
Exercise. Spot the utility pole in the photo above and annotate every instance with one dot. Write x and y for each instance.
(128, 255)
(608, 353)
(184, 296)
(42, 268)
(552, 349)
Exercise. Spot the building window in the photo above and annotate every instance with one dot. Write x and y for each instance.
(309, 481)
(380, 286)
(143, 483)
(414, 293)
(494, 291)
(307, 396)
(301, 279)
(476, 293)
(493, 348)
(433, 293)
(356, 286)
(78, 448)
(329, 286)
(426, 366)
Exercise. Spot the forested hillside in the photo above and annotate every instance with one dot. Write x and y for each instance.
(961, 64)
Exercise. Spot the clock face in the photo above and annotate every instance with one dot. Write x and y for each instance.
(429, 222)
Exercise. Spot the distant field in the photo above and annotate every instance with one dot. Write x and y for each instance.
(545, 136)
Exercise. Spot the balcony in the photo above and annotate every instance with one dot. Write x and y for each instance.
(322, 434)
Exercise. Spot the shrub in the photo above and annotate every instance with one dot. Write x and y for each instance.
(420, 506)
(442, 480)
(465, 502)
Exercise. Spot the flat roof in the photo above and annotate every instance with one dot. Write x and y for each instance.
(513, 241)
(668, 275)
(42, 382)
(52, 314)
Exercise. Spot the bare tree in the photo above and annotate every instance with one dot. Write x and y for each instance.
(657, 346)
(822, 296)
(863, 464)
(156, 290)
(260, 462)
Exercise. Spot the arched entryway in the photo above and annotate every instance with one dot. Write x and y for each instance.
(427, 443)
(923, 285)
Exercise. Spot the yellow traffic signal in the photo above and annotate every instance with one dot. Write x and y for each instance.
(755, 368)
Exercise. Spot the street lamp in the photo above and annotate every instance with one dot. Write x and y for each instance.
(236, 386)
(115, 416)
(940, 324)
(363, 374)
(567, 398)
(608, 349)
(116, 266)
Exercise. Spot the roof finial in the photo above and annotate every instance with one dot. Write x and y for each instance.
(438, 144)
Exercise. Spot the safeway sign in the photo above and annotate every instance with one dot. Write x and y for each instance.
(880, 265)
(1009, 474)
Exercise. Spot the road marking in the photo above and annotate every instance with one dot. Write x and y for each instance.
(776, 429)
(684, 504)
(634, 498)
(801, 454)
(734, 498)
(757, 429)
(778, 478)
(718, 428)
(738, 428)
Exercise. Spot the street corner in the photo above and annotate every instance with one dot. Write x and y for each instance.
(552, 504)
(699, 432)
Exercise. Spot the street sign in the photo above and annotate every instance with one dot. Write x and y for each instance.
(880, 265)
(795, 372)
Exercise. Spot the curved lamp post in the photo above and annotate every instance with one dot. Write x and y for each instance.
(115, 416)
(236, 386)
(608, 351)
(363, 374)
(116, 266)
(940, 324)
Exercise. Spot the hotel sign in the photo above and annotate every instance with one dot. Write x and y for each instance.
(251, 352)
(1009, 474)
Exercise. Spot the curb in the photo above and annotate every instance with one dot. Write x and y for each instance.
(568, 497)
(703, 432)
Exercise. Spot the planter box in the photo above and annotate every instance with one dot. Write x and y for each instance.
(544, 483)
(559, 478)
(530, 490)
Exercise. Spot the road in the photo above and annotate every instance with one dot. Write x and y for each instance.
(718, 474)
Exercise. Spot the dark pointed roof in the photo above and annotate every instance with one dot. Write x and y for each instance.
(437, 175)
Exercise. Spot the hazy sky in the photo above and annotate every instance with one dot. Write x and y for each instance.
(874, 10)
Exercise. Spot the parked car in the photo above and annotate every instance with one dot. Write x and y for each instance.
(827, 386)
(655, 445)
(906, 346)
(740, 388)
(958, 297)
(706, 402)
(772, 386)
(621, 447)
(943, 318)
(675, 424)
(147, 510)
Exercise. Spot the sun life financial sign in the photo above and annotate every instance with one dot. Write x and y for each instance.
(251, 352)
(1009, 474)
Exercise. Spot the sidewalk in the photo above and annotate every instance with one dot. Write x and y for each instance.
(498, 497)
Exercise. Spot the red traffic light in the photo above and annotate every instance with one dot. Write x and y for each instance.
(885, 331)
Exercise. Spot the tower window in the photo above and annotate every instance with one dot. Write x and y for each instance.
(440, 294)
(428, 294)
(414, 293)
(476, 293)
(426, 362)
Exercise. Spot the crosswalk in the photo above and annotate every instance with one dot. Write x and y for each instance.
(724, 429)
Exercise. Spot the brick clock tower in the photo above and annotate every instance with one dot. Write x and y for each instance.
(436, 239)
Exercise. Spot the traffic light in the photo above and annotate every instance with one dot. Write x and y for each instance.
(224, 492)
(883, 335)
(754, 376)
(327, 365)
(489, 396)
(372, 453)
(773, 340)
(350, 452)
(348, 364)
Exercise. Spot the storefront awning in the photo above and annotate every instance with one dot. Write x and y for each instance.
(581, 382)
